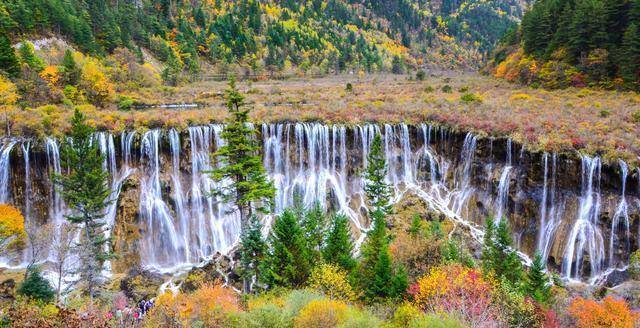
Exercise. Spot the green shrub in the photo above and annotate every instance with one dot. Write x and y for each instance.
(37, 287)
(634, 265)
(464, 89)
(349, 87)
(605, 113)
(470, 98)
(635, 116)
(429, 89)
(298, 299)
(447, 88)
(358, 319)
(436, 321)
(420, 75)
(268, 316)
(125, 103)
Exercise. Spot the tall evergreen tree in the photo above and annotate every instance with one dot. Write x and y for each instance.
(537, 285)
(287, 262)
(587, 30)
(86, 192)
(630, 62)
(313, 223)
(376, 273)
(377, 189)
(498, 255)
(241, 162)
(339, 246)
(8, 60)
(70, 70)
(252, 252)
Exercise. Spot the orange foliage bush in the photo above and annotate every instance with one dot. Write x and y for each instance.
(210, 304)
(610, 312)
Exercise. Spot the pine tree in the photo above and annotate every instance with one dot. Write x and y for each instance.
(70, 69)
(36, 287)
(8, 59)
(630, 62)
(339, 246)
(537, 281)
(29, 57)
(498, 256)
(377, 189)
(86, 192)
(252, 251)
(241, 162)
(287, 262)
(587, 30)
(488, 246)
(376, 268)
(313, 223)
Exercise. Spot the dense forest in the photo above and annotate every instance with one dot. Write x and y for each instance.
(564, 43)
(328, 36)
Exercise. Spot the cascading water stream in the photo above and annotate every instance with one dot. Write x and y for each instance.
(160, 242)
(5, 168)
(621, 214)
(549, 210)
(503, 193)
(585, 236)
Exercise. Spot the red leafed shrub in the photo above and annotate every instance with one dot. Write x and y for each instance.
(457, 289)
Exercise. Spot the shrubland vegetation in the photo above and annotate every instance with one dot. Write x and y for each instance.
(574, 43)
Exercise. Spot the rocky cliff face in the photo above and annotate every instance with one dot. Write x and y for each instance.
(581, 215)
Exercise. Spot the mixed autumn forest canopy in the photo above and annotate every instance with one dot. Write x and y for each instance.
(328, 36)
(563, 43)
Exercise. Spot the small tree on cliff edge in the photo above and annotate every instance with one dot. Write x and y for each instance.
(85, 190)
(241, 163)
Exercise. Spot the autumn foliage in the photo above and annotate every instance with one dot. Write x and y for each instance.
(610, 312)
(11, 227)
(210, 304)
(456, 289)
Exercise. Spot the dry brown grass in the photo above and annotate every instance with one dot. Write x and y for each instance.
(593, 121)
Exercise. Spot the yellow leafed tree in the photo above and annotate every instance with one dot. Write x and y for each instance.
(8, 98)
(11, 227)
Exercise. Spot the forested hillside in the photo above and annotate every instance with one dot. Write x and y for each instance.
(317, 36)
(564, 43)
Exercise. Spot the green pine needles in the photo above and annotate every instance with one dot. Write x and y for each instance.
(86, 192)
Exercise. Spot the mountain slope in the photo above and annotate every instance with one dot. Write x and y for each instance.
(313, 35)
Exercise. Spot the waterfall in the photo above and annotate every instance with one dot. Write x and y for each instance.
(26, 150)
(549, 210)
(622, 213)
(160, 243)
(57, 207)
(585, 236)
(5, 174)
(182, 221)
(503, 193)
(462, 185)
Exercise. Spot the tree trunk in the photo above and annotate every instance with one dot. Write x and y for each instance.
(89, 267)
